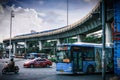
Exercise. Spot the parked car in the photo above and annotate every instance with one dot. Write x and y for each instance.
(38, 62)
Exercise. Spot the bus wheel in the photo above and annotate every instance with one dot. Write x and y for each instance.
(90, 69)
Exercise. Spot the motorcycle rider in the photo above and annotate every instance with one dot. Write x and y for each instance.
(11, 64)
(10, 67)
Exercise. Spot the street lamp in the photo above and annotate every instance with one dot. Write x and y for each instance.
(11, 16)
(67, 19)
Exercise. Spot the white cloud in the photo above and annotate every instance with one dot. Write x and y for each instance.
(41, 14)
(41, 2)
(27, 19)
(4, 24)
(24, 21)
(90, 0)
(1, 9)
(87, 0)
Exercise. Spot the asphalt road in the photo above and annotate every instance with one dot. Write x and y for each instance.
(45, 74)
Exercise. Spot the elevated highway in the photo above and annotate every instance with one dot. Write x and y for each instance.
(90, 23)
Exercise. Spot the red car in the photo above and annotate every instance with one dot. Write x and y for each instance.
(38, 62)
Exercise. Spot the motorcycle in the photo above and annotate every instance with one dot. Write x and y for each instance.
(7, 70)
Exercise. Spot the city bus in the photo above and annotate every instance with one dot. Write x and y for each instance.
(83, 58)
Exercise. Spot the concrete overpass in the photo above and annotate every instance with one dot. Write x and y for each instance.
(88, 24)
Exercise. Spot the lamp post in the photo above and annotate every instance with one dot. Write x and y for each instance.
(11, 16)
(67, 20)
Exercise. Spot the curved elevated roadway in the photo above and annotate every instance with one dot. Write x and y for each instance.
(88, 24)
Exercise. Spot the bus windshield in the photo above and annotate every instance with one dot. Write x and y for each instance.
(63, 56)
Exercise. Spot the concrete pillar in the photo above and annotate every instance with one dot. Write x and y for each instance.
(11, 47)
(108, 33)
(14, 48)
(80, 38)
(19, 52)
(58, 41)
(40, 45)
(25, 44)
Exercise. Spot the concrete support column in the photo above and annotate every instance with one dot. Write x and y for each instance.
(25, 44)
(58, 41)
(80, 38)
(19, 52)
(5, 47)
(14, 48)
(108, 33)
(11, 49)
(40, 45)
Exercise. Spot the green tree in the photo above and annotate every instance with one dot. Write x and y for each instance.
(32, 46)
(93, 39)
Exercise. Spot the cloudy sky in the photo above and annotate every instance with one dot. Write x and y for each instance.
(40, 15)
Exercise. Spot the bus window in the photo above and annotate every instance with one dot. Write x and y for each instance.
(88, 54)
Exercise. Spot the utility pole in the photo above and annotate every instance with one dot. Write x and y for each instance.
(103, 39)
